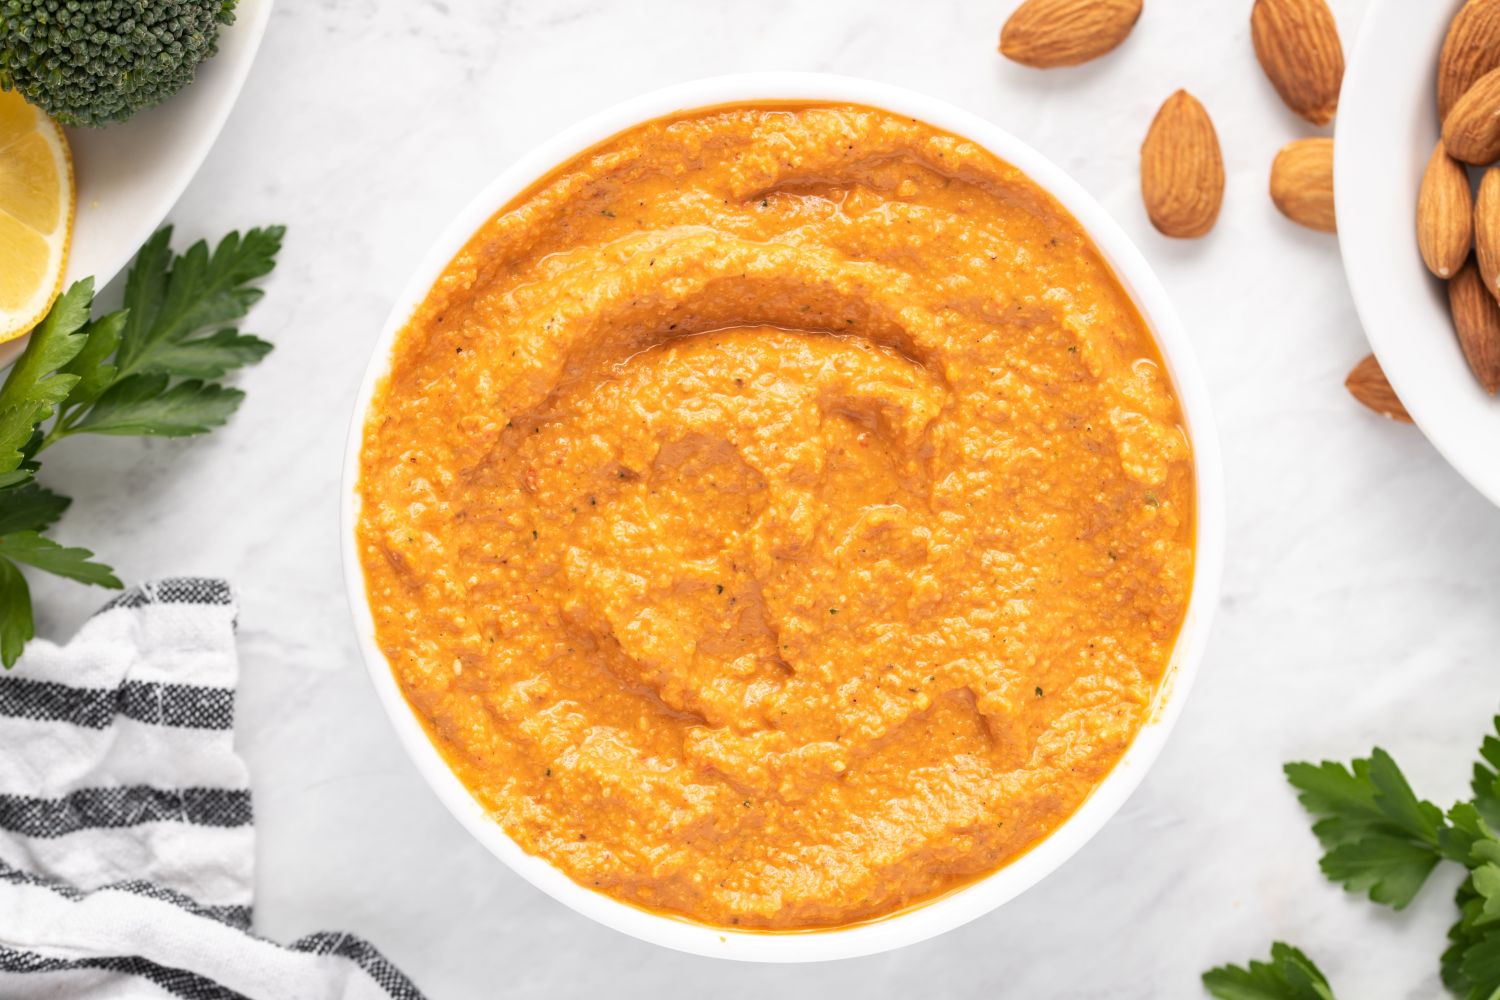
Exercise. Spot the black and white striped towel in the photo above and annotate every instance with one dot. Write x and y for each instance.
(126, 842)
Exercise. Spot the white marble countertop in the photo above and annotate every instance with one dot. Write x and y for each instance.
(1360, 603)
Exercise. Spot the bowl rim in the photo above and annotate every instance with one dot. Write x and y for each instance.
(978, 897)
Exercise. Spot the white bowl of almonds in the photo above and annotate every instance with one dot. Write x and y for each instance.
(1422, 100)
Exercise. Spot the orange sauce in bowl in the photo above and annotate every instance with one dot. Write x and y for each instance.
(778, 515)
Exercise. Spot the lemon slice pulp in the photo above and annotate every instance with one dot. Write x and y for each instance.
(36, 214)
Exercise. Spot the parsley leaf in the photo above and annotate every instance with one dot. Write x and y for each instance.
(17, 477)
(35, 385)
(43, 553)
(1378, 837)
(1471, 963)
(1289, 975)
(169, 300)
(209, 357)
(91, 364)
(147, 369)
(16, 625)
(30, 508)
(1486, 781)
(146, 405)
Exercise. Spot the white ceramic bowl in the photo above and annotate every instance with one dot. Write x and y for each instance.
(982, 896)
(131, 174)
(1387, 126)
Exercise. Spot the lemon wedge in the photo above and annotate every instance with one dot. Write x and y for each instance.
(36, 214)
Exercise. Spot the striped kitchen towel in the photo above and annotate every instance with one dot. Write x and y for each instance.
(126, 841)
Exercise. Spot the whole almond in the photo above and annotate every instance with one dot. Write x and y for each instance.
(1476, 317)
(1182, 169)
(1368, 384)
(1050, 33)
(1297, 43)
(1471, 50)
(1487, 230)
(1302, 183)
(1472, 129)
(1445, 214)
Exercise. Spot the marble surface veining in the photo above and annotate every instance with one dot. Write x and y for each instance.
(1360, 604)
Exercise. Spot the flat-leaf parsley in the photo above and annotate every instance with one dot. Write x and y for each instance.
(1380, 839)
(150, 368)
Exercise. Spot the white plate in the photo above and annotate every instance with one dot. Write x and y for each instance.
(129, 175)
(1008, 882)
(1387, 126)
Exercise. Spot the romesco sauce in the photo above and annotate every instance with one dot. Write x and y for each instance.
(778, 515)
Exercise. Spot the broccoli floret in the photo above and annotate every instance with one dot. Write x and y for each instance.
(92, 62)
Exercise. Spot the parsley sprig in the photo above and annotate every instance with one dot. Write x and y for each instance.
(1381, 840)
(1289, 975)
(152, 368)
